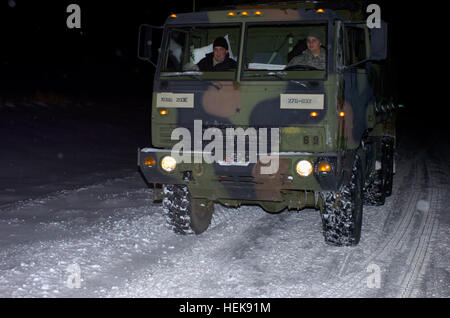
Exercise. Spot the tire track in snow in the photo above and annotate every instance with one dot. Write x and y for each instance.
(195, 270)
(256, 255)
(404, 224)
(419, 189)
(356, 282)
(421, 251)
(405, 229)
(409, 174)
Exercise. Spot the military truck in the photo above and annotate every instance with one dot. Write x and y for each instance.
(313, 137)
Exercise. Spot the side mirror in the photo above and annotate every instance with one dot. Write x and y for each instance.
(378, 42)
(148, 35)
(145, 42)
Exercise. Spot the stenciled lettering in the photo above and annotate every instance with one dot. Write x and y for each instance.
(299, 101)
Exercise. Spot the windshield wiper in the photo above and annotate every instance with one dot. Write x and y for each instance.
(279, 75)
(191, 74)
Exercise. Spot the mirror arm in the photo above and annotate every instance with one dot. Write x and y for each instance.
(152, 63)
(147, 60)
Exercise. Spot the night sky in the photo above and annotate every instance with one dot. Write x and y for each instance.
(40, 53)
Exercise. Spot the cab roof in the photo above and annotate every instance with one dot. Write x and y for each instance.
(252, 15)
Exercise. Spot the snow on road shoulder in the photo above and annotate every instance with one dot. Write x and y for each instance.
(94, 227)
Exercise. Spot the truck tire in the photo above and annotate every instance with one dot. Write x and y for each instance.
(185, 215)
(379, 185)
(342, 211)
(374, 193)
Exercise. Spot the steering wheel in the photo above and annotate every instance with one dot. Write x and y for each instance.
(300, 67)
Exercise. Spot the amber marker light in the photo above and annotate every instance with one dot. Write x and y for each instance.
(320, 11)
(244, 13)
(150, 162)
(341, 114)
(231, 14)
(163, 112)
(324, 167)
(258, 13)
(173, 15)
(314, 114)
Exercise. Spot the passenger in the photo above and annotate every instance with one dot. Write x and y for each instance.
(314, 56)
(219, 59)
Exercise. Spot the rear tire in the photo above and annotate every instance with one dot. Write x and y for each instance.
(343, 209)
(379, 184)
(186, 215)
(374, 193)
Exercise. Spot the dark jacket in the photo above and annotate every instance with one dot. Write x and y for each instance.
(206, 64)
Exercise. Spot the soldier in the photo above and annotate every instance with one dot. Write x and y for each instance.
(314, 56)
(219, 59)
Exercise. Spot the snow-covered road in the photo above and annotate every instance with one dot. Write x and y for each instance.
(104, 237)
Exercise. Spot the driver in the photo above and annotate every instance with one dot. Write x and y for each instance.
(219, 59)
(313, 56)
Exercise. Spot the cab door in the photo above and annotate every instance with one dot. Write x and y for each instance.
(357, 91)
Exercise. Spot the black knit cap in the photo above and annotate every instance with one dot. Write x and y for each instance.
(220, 41)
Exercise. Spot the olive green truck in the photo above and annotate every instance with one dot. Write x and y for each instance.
(268, 132)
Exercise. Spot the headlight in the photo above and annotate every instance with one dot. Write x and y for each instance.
(168, 163)
(304, 168)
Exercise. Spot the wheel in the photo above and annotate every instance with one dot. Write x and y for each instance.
(379, 184)
(374, 193)
(184, 214)
(342, 211)
(388, 164)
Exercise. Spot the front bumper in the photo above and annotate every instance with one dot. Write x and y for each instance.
(243, 181)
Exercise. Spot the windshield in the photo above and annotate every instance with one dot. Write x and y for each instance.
(202, 49)
(292, 51)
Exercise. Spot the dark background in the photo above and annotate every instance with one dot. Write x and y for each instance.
(40, 56)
